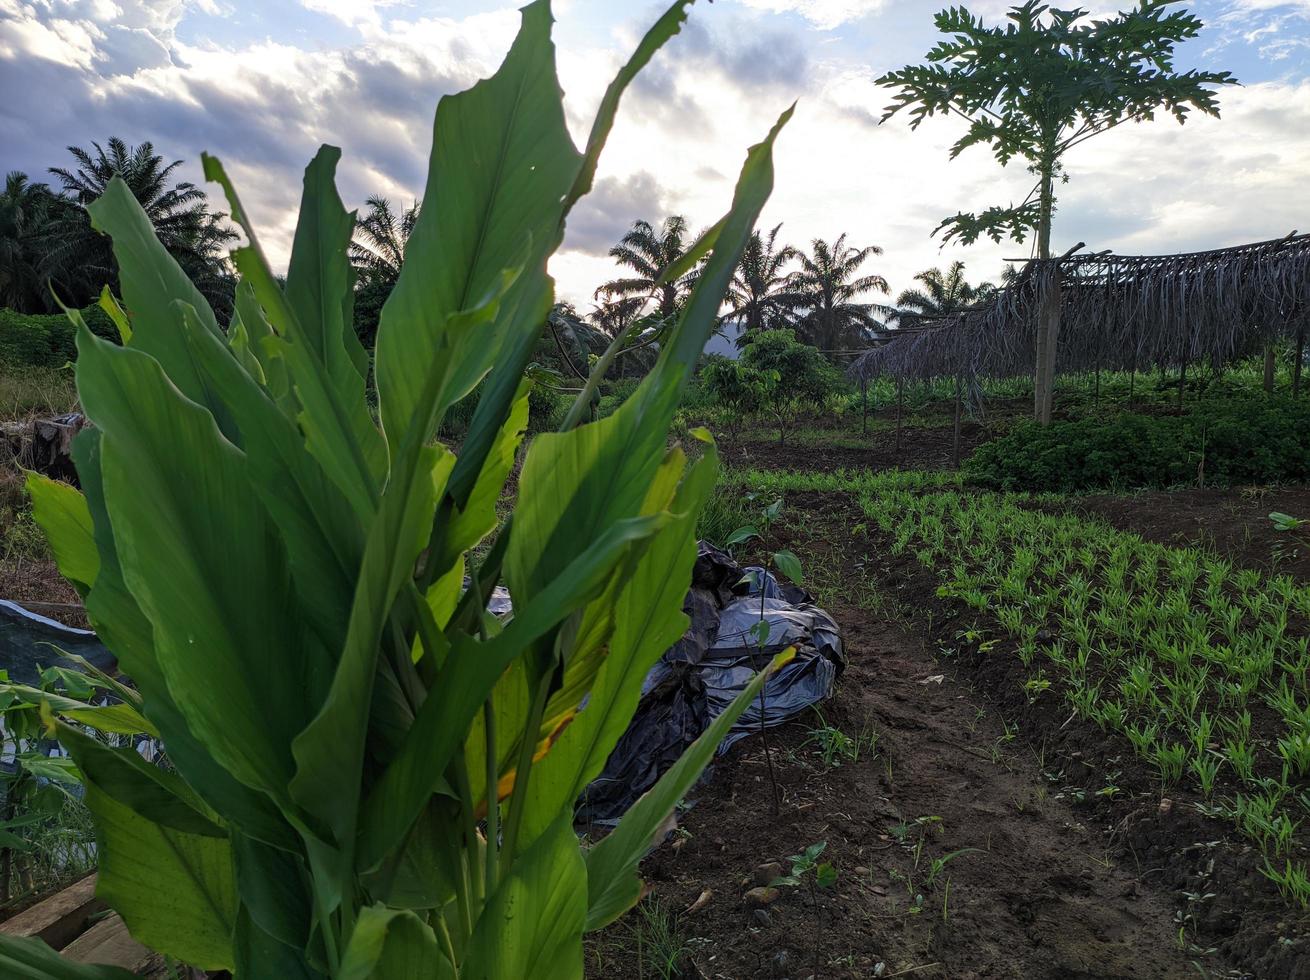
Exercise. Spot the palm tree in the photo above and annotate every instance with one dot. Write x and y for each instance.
(26, 211)
(381, 236)
(940, 295)
(377, 251)
(826, 287)
(192, 234)
(646, 253)
(758, 296)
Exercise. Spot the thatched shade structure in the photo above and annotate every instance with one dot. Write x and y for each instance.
(1116, 312)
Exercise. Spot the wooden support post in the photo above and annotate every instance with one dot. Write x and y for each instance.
(1270, 367)
(955, 443)
(900, 411)
(1048, 336)
(1299, 357)
(1182, 382)
(864, 404)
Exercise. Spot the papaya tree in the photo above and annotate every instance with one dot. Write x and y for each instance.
(370, 776)
(1036, 87)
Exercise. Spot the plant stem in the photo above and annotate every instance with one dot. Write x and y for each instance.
(443, 932)
(470, 827)
(764, 736)
(518, 799)
(492, 791)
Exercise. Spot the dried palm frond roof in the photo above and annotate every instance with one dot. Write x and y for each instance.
(1116, 312)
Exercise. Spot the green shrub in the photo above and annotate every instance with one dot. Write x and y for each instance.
(46, 339)
(776, 376)
(1251, 440)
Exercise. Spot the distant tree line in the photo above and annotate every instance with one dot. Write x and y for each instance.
(49, 253)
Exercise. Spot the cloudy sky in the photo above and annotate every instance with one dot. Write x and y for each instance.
(262, 83)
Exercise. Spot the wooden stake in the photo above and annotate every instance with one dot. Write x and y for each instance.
(1269, 369)
(955, 444)
(1296, 364)
(900, 410)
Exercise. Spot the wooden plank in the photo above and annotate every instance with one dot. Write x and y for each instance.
(60, 918)
(108, 943)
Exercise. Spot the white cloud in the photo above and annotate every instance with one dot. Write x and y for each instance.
(678, 144)
(823, 14)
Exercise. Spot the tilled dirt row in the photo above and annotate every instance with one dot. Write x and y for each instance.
(960, 851)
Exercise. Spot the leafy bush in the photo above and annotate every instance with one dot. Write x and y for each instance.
(775, 376)
(46, 340)
(1255, 440)
(373, 778)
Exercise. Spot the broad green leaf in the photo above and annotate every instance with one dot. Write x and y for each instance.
(320, 279)
(238, 342)
(740, 535)
(787, 563)
(28, 958)
(115, 313)
(612, 883)
(63, 515)
(151, 282)
(647, 620)
(532, 925)
(502, 162)
(322, 534)
(393, 945)
(121, 625)
(203, 559)
(258, 954)
(251, 317)
(347, 444)
(274, 888)
(494, 403)
(174, 890)
(153, 793)
(118, 719)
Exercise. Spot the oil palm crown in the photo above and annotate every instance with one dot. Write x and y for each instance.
(758, 296)
(26, 209)
(644, 252)
(381, 236)
(191, 233)
(827, 288)
(940, 294)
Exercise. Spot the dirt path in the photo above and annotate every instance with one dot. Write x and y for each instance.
(1034, 892)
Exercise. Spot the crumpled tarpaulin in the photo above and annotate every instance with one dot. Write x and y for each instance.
(714, 661)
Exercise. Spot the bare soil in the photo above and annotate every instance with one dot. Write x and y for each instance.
(1233, 522)
(1054, 879)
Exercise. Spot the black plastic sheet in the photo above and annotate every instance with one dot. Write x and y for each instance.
(29, 642)
(714, 661)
